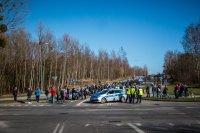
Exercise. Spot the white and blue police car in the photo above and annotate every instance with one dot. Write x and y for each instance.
(109, 95)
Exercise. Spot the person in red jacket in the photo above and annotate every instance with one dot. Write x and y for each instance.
(53, 93)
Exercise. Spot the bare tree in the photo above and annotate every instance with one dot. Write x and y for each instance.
(12, 13)
(30, 63)
(191, 44)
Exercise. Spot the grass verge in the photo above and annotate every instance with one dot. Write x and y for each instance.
(194, 99)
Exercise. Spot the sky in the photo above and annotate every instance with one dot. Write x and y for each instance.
(146, 29)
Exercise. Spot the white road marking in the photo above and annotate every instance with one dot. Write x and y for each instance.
(3, 124)
(138, 124)
(57, 126)
(171, 124)
(86, 125)
(119, 124)
(61, 129)
(82, 102)
(135, 128)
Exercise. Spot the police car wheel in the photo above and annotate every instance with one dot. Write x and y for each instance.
(103, 100)
(123, 99)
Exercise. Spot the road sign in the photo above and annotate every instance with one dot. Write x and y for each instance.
(74, 81)
(140, 80)
(54, 78)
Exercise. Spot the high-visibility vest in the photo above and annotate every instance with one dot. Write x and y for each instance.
(128, 92)
(140, 92)
(132, 90)
(117, 87)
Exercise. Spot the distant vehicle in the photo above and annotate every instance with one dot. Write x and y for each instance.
(109, 95)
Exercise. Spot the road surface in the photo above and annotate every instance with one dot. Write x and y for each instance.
(84, 117)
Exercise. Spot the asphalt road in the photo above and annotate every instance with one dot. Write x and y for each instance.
(84, 117)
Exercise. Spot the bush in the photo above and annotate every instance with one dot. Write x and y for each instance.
(3, 41)
(3, 28)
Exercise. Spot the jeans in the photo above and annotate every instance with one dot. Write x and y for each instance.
(29, 98)
(52, 99)
(37, 98)
(47, 98)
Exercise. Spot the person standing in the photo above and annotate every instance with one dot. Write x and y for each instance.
(154, 90)
(140, 93)
(133, 94)
(53, 93)
(58, 94)
(148, 91)
(176, 92)
(15, 93)
(37, 94)
(128, 93)
(85, 93)
(186, 91)
(158, 89)
(67, 93)
(81, 93)
(73, 94)
(47, 94)
(62, 94)
(29, 94)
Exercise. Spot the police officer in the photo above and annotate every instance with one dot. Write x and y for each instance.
(139, 93)
(128, 93)
(133, 90)
(117, 87)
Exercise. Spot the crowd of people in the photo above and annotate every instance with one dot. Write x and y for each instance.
(133, 92)
(54, 94)
(157, 91)
(181, 90)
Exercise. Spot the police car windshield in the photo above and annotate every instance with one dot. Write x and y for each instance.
(103, 92)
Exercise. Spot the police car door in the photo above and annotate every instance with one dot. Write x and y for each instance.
(116, 95)
(110, 95)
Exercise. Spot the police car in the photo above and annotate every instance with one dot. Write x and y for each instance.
(109, 95)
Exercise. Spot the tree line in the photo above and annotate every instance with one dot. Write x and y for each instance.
(185, 66)
(46, 61)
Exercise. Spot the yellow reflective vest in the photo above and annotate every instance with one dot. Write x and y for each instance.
(132, 91)
(128, 92)
(117, 87)
(140, 92)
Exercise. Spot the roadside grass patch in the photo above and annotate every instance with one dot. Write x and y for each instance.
(180, 99)
(194, 90)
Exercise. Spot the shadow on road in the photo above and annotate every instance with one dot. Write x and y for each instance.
(20, 101)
